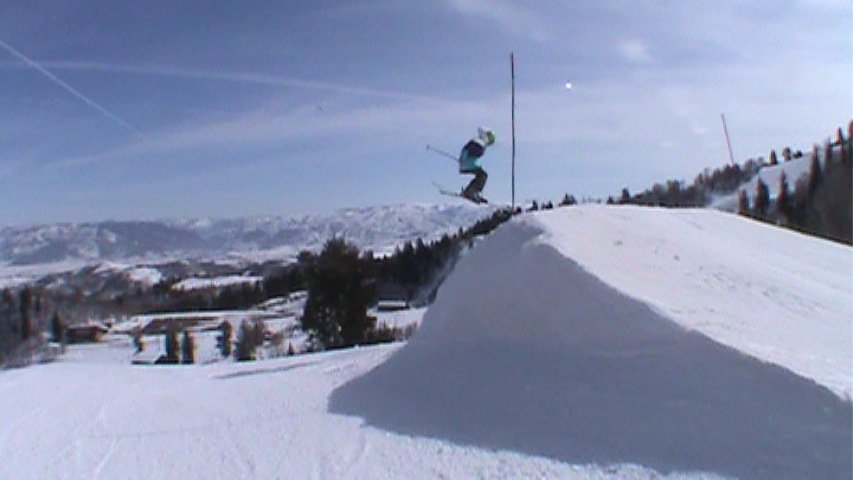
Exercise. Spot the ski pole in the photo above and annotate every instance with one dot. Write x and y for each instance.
(441, 152)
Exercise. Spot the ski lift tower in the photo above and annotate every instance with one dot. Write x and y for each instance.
(512, 96)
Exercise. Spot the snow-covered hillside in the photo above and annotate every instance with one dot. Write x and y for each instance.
(794, 170)
(585, 342)
(376, 228)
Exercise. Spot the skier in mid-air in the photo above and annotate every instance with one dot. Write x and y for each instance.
(471, 152)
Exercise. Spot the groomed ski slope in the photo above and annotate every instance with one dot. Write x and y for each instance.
(87, 418)
(556, 349)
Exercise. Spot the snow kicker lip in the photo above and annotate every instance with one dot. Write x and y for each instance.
(524, 350)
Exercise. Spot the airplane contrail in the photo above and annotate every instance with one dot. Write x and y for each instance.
(238, 77)
(88, 101)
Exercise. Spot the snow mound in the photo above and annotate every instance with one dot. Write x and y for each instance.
(527, 350)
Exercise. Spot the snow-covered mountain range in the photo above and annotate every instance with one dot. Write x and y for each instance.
(376, 228)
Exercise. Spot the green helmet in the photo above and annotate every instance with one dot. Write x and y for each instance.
(486, 135)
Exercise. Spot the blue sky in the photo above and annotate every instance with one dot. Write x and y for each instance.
(142, 110)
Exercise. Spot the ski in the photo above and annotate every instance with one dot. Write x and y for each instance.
(450, 193)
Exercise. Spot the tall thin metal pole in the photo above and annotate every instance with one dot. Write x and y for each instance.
(512, 75)
(728, 140)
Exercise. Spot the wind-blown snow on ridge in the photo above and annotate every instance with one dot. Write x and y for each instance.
(552, 338)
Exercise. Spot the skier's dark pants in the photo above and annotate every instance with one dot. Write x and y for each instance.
(477, 183)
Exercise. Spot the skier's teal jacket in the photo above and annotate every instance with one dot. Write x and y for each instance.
(471, 152)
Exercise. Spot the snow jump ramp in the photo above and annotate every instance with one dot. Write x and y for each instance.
(523, 350)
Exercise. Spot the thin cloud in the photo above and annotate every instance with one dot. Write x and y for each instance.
(88, 101)
(7, 169)
(262, 127)
(635, 51)
(517, 20)
(237, 77)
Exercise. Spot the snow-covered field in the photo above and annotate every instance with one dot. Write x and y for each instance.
(265, 420)
(216, 282)
(587, 342)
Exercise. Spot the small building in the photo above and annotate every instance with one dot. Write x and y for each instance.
(160, 324)
(85, 333)
(391, 305)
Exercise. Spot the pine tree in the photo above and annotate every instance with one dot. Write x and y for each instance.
(187, 348)
(224, 339)
(773, 159)
(567, 200)
(138, 341)
(783, 200)
(339, 293)
(849, 158)
(800, 203)
(249, 338)
(815, 173)
(625, 198)
(25, 304)
(172, 346)
(242, 353)
(743, 203)
(259, 333)
(8, 297)
(762, 200)
(827, 158)
(57, 328)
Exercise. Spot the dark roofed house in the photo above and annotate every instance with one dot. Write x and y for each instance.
(391, 305)
(85, 333)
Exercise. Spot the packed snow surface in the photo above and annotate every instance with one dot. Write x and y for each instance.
(586, 342)
(598, 335)
(777, 295)
(90, 416)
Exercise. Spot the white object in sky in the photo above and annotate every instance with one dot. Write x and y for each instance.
(568, 85)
